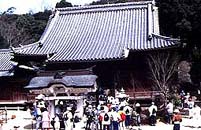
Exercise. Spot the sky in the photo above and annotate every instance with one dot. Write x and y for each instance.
(25, 6)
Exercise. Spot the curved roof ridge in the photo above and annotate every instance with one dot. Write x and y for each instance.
(104, 6)
(165, 37)
(4, 50)
(42, 36)
(48, 24)
(26, 46)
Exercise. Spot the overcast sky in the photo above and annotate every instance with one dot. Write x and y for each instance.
(24, 6)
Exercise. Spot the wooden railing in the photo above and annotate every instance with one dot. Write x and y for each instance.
(22, 96)
(144, 94)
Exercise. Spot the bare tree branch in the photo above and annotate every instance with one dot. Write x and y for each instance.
(162, 66)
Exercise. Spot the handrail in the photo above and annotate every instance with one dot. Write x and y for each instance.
(147, 94)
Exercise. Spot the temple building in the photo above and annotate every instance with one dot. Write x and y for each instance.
(88, 48)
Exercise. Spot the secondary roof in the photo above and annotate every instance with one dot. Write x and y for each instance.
(5, 63)
(68, 81)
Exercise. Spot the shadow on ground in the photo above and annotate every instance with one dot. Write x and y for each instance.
(30, 126)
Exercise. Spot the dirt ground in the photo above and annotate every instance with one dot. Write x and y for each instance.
(25, 122)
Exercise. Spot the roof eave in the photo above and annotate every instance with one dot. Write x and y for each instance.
(87, 61)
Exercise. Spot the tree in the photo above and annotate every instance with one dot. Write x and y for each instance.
(42, 15)
(163, 67)
(182, 19)
(3, 43)
(63, 4)
(9, 10)
(22, 29)
(184, 68)
(15, 30)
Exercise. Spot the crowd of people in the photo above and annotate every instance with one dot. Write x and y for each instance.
(187, 107)
(111, 114)
(64, 115)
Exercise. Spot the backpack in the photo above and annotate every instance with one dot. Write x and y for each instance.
(76, 119)
(123, 116)
(66, 117)
(106, 117)
(190, 105)
(100, 118)
(52, 122)
(153, 111)
(127, 111)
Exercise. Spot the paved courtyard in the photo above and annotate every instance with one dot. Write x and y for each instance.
(23, 119)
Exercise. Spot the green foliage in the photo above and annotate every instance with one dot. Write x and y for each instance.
(3, 43)
(176, 100)
(42, 15)
(22, 29)
(9, 10)
(196, 68)
(63, 4)
(182, 18)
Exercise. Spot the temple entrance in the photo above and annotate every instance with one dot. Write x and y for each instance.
(62, 93)
(59, 98)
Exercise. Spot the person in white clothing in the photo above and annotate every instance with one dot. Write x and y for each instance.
(190, 107)
(67, 116)
(187, 96)
(196, 115)
(169, 110)
(57, 122)
(106, 121)
(115, 119)
(128, 110)
(152, 114)
(45, 119)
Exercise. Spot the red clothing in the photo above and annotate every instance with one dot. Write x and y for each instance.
(177, 118)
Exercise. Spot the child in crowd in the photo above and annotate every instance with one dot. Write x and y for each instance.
(177, 119)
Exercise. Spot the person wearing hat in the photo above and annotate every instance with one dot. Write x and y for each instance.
(115, 119)
(152, 114)
(106, 120)
(177, 119)
(190, 107)
(187, 96)
(38, 113)
(169, 112)
(90, 115)
(138, 110)
(100, 117)
(128, 110)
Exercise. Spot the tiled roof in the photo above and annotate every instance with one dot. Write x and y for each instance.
(68, 81)
(5, 63)
(101, 32)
